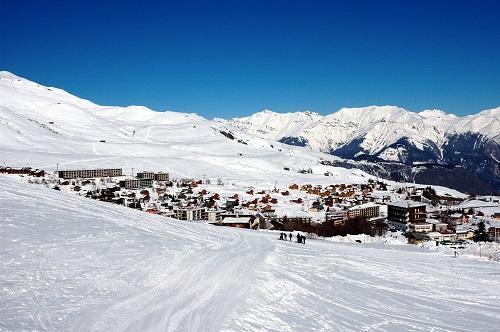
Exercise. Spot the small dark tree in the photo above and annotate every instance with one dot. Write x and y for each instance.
(480, 234)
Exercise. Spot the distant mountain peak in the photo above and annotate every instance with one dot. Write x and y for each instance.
(435, 113)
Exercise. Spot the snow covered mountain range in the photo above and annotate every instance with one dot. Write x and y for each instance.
(392, 136)
(42, 127)
(374, 129)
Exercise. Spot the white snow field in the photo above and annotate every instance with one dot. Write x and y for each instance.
(69, 263)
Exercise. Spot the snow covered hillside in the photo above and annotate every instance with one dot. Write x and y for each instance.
(42, 127)
(377, 126)
(70, 263)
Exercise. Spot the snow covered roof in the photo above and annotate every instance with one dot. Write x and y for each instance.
(489, 211)
(236, 220)
(406, 204)
(474, 203)
(495, 224)
(364, 206)
(434, 221)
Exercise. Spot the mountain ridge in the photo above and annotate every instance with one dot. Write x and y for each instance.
(46, 119)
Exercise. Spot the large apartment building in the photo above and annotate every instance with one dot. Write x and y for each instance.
(136, 183)
(190, 213)
(90, 173)
(367, 210)
(154, 176)
(401, 214)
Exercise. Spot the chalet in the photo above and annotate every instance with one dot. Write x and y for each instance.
(316, 206)
(267, 208)
(329, 201)
(460, 218)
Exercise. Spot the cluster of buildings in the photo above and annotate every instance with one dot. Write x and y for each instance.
(424, 222)
(22, 171)
(408, 209)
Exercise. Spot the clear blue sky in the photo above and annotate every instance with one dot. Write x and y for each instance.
(233, 58)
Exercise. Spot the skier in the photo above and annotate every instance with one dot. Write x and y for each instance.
(290, 237)
(299, 238)
(281, 236)
(303, 239)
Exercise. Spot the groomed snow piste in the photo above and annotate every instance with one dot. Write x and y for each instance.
(71, 263)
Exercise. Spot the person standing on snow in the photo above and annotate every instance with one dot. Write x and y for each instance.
(303, 239)
(290, 237)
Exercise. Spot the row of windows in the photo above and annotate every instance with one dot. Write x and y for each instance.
(90, 173)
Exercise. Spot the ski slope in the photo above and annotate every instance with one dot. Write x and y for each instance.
(72, 264)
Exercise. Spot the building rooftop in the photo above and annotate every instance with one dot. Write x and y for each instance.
(407, 204)
(236, 220)
(364, 206)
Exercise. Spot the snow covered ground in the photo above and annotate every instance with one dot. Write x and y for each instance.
(71, 263)
(44, 127)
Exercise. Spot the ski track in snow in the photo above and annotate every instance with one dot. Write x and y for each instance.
(74, 264)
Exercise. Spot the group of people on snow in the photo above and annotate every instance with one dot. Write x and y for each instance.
(300, 238)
